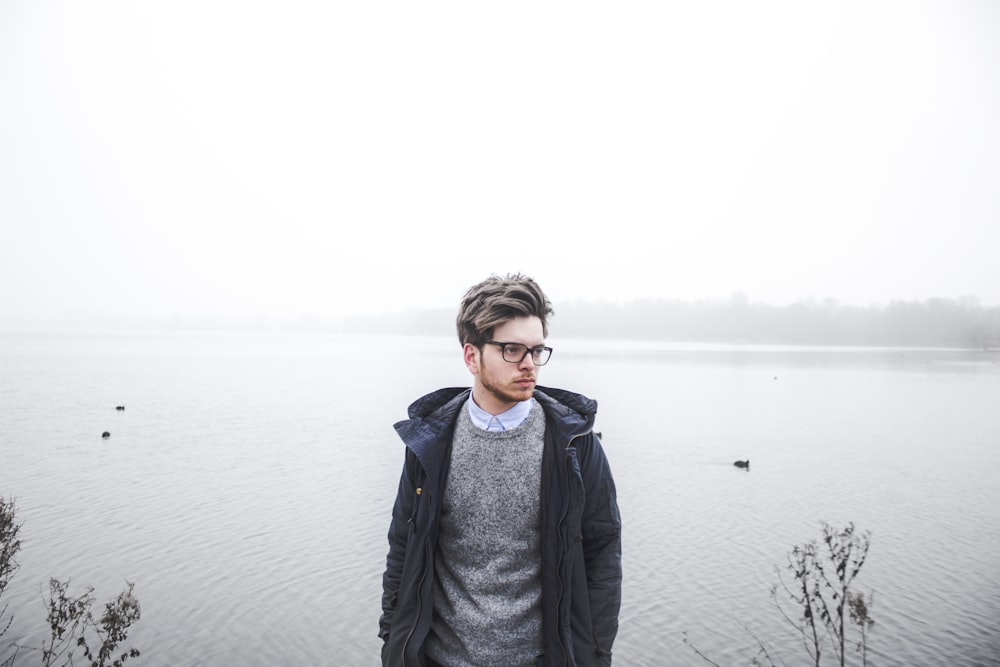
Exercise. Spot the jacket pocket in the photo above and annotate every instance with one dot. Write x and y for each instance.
(577, 495)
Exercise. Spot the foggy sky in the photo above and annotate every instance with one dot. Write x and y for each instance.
(306, 160)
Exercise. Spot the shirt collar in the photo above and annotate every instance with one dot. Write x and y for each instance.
(504, 421)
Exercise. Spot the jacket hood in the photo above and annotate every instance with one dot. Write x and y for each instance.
(435, 401)
(569, 401)
(433, 415)
(585, 407)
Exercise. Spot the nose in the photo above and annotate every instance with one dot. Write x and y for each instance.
(527, 362)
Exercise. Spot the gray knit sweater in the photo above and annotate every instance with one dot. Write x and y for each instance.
(487, 588)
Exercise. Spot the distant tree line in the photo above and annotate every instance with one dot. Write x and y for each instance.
(938, 322)
(932, 322)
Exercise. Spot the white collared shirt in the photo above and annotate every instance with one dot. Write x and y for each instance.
(504, 421)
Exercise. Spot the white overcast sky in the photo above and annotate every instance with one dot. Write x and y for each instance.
(293, 159)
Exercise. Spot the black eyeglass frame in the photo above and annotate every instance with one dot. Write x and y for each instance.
(538, 349)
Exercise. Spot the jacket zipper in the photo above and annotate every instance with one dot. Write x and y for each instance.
(562, 551)
(420, 586)
(423, 575)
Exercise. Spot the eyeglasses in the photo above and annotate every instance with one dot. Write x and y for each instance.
(515, 353)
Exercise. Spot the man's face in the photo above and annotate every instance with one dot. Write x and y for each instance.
(500, 384)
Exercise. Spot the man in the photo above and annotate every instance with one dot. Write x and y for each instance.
(505, 539)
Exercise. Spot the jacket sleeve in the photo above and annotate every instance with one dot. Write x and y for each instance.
(399, 530)
(602, 548)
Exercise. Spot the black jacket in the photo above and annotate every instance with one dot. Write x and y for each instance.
(581, 532)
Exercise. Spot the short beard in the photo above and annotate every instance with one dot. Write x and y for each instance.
(496, 392)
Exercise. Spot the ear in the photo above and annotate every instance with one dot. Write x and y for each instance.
(471, 356)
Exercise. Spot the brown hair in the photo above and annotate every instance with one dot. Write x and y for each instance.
(496, 300)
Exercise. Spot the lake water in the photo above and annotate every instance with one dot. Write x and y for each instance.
(247, 486)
